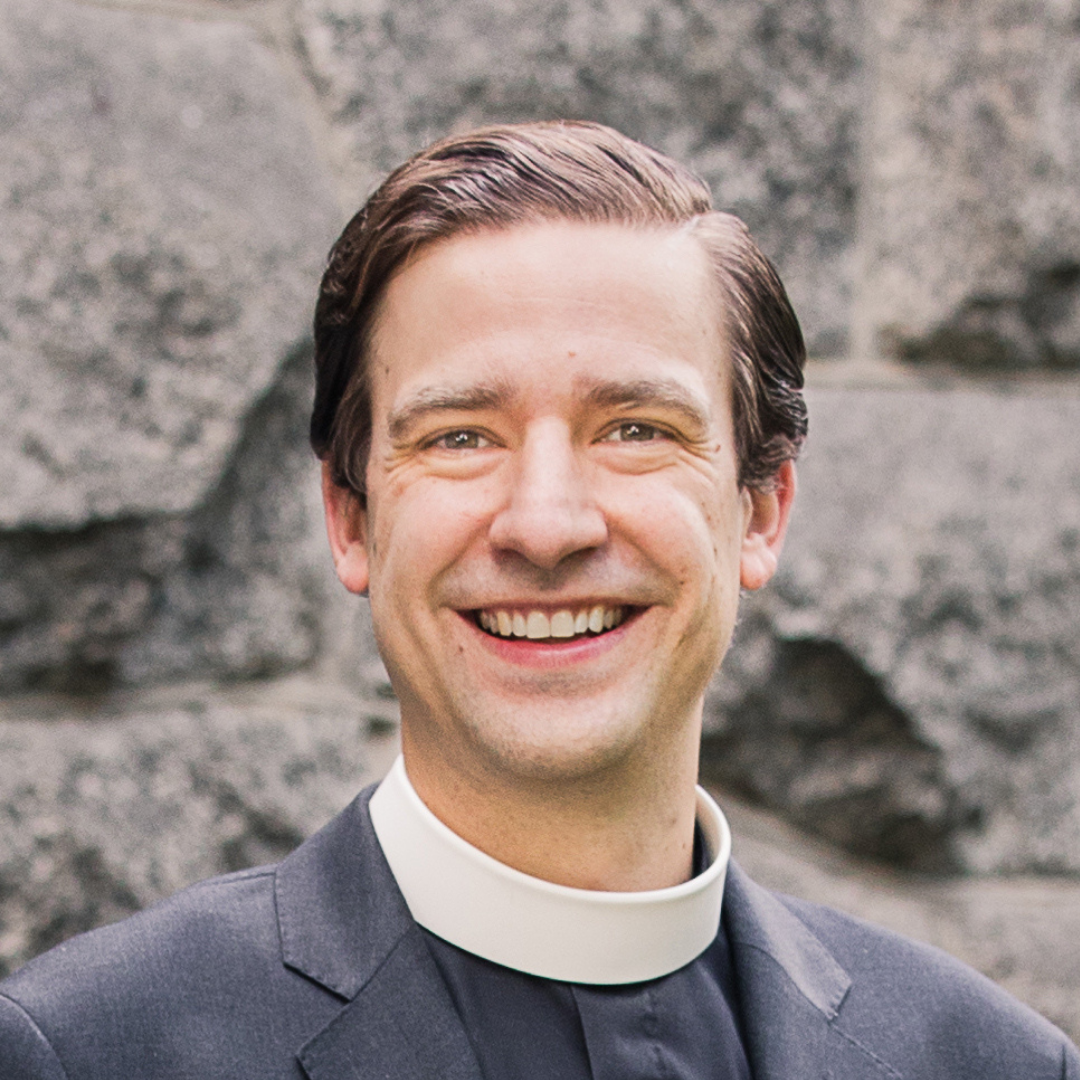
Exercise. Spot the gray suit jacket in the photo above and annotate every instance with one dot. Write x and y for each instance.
(315, 969)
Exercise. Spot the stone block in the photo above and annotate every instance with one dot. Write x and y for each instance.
(761, 98)
(909, 685)
(164, 227)
(970, 196)
(165, 219)
(241, 587)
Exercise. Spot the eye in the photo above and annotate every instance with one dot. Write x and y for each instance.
(464, 439)
(634, 431)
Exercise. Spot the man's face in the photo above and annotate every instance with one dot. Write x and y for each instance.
(554, 535)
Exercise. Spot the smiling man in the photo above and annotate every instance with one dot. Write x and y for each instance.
(558, 407)
(552, 530)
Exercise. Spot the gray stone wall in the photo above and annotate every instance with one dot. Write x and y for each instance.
(909, 686)
(183, 686)
(971, 222)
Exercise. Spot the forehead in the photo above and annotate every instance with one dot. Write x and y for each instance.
(551, 302)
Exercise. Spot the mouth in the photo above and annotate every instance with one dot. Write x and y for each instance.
(563, 624)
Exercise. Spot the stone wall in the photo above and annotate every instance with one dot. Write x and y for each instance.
(971, 221)
(183, 686)
(909, 686)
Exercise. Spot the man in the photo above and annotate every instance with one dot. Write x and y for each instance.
(558, 406)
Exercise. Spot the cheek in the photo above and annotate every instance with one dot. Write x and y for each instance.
(696, 518)
(700, 537)
(725, 515)
(673, 533)
(419, 530)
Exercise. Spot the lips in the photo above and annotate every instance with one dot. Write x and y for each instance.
(563, 624)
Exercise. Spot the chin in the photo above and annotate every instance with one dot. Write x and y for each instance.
(563, 752)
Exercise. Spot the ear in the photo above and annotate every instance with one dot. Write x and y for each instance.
(346, 526)
(765, 529)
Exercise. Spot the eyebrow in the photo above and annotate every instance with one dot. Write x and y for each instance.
(435, 399)
(599, 393)
(660, 393)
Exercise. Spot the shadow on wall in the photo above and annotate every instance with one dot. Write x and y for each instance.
(989, 333)
(127, 602)
(820, 740)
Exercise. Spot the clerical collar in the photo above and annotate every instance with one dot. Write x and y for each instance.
(489, 909)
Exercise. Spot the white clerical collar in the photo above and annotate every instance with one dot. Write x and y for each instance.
(575, 935)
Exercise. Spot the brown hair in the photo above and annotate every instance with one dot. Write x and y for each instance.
(498, 177)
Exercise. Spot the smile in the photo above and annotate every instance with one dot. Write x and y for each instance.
(541, 625)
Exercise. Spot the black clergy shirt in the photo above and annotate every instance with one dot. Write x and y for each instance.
(682, 1026)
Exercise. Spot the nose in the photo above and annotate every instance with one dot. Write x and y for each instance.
(550, 511)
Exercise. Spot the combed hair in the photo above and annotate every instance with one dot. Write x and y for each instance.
(514, 174)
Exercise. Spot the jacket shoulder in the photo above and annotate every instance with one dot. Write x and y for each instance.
(24, 1050)
(194, 980)
(919, 1004)
(233, 913)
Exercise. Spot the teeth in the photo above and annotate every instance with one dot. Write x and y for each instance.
(538, 625)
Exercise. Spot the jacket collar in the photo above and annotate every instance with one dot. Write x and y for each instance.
(340, 912)
(344, 924)
(792, 991)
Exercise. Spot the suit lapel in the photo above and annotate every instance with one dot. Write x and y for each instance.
(344, 924)
(792, 992)
(402, 1025)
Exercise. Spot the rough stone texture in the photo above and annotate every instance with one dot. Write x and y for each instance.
(240, 587)
(101, 817)
(761, 98)
(971, 191)
(909, 686)
(163, 230)
(163, 234)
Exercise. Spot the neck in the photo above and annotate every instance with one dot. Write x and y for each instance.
(627, 827)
